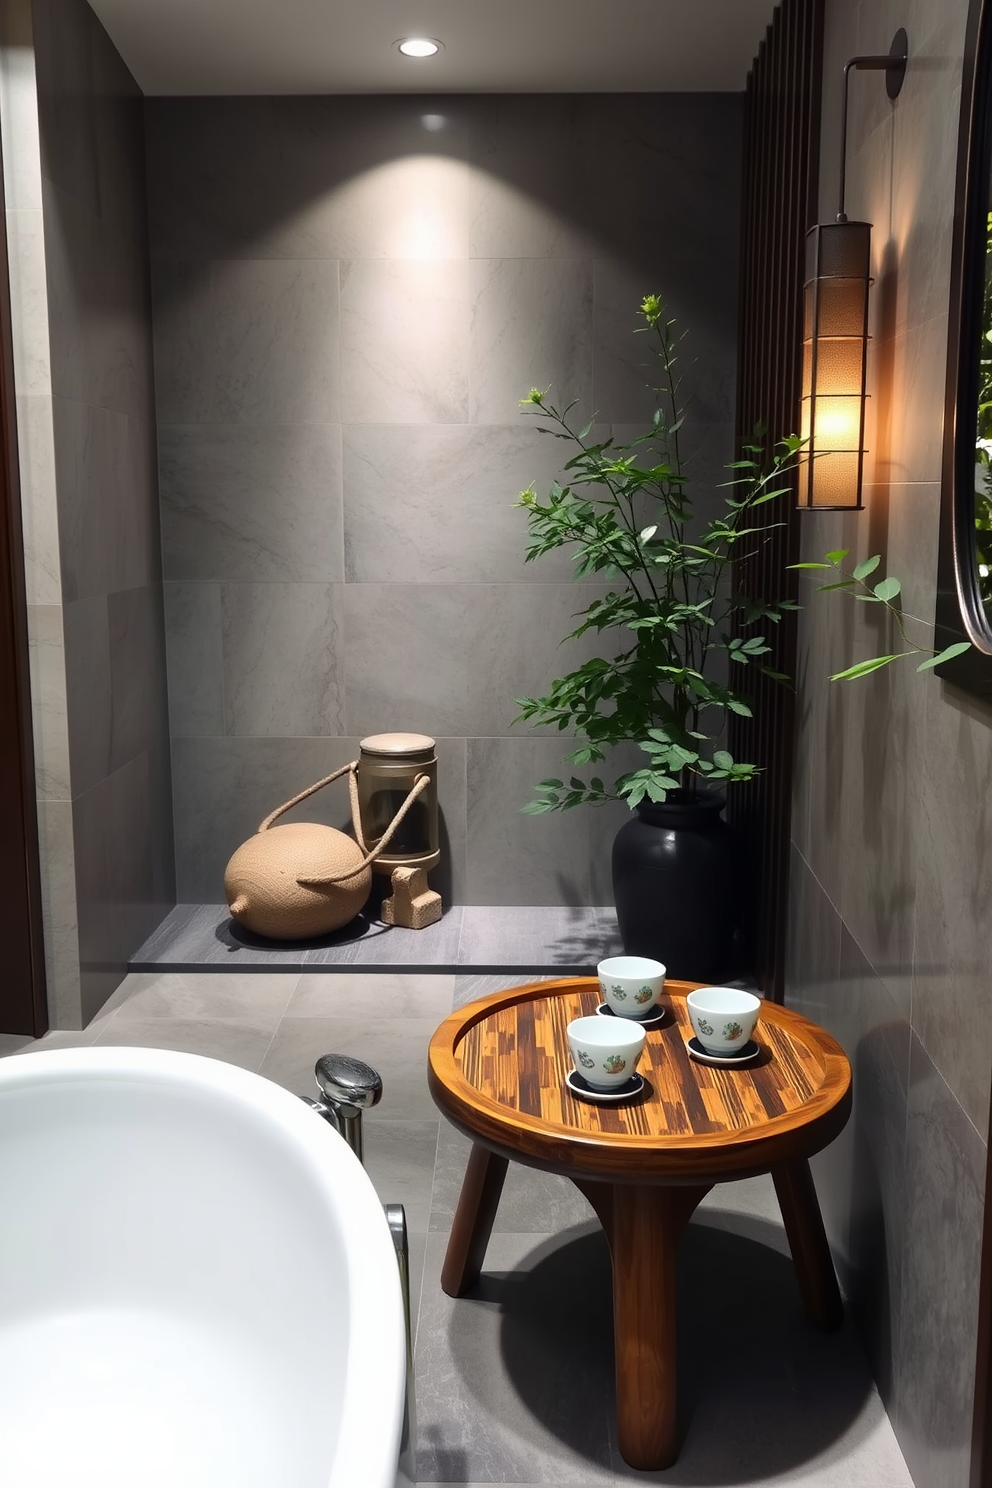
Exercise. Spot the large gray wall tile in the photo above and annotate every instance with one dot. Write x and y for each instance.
(39, 504)
(404, 341)
(139, 709)
(951, 960)
(418, 495)
(282, 646)
(247, 342)
(303, 177)
(195, 659)
(524, 201)
(260, 503)
(99, 302)
(530, 328)
(514, 859)
(49, 708)
(107, 507)
(89, 691)
(935, 1363)
(453, 665)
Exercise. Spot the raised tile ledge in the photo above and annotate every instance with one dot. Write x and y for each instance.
(528, 939)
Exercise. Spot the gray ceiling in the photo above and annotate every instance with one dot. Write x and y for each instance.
(491, 46)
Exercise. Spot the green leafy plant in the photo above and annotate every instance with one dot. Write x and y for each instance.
(673, 622)
(885, 592)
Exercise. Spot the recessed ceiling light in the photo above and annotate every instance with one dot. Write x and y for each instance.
(418, 46)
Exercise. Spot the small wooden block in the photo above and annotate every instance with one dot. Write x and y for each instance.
(413, 903)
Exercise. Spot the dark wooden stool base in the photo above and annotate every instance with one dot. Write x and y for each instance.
(644, 1224)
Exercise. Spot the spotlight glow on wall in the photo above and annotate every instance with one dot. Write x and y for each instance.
(418, 46)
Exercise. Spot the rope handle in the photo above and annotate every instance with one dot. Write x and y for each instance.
(420, 785)
(312, 790)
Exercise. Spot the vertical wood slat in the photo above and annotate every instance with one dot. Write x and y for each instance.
(779, 200)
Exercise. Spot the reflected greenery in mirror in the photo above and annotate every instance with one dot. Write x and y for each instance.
(983, 440)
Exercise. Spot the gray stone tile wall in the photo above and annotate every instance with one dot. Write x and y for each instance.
(351, 296)
(891, 826)
(109, 638)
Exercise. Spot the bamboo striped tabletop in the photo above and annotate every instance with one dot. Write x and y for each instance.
(498, 1067)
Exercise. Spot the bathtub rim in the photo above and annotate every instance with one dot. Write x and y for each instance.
(367, 1447)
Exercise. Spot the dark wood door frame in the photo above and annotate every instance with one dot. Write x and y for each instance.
(23, 1001)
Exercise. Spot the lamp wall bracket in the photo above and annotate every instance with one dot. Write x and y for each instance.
(893, 64)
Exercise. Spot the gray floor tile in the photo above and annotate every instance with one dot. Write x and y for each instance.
(531, 1202)
(479, 984)
(505, 1391)
(398, 1050)
(252, 1000)
(373, 994)
(232, 1042)
(400, 1156)
(537, 939)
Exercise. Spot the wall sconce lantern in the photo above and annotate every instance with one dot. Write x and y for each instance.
(835, 333)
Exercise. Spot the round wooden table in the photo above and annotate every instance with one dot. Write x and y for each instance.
(497, 1070)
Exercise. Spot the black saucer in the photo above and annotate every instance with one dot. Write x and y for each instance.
(579, 1085)
(742, 1056)
(652, 1020)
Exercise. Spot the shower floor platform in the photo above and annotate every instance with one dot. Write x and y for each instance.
(201, 937)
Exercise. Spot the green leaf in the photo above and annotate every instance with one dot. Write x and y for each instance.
(837, 556)
(537, 808)
(722, 759)
(550, 784)
(887, 589)
(958, 649)
(868, 567)
(742, 709)
(841, 584)
(862, 668)
(809, 565)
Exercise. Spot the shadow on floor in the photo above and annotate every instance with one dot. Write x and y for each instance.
(760, 1391)
(232, 935)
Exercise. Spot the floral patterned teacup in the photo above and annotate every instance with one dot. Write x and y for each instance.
(631, 985)
(604, 1050)
(722, 1018)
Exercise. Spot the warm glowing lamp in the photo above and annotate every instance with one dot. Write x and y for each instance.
(835, 334)
(835, 345)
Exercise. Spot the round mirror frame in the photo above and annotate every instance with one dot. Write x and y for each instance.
(960, 612)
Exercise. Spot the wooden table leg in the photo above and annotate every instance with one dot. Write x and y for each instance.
(646, 1224)
(473, 1222)
(808, 1243)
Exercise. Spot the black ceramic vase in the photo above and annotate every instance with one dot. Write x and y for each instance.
(676, 885)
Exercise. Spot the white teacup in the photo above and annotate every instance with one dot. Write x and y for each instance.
(631, 985)
(722, 1018)
(605, 1051)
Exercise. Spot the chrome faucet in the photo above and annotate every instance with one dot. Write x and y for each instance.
(347, 1088)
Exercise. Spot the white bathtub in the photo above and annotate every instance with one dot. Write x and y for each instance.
(197, 1283)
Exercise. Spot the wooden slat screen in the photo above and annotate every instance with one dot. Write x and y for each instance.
(779, 203)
